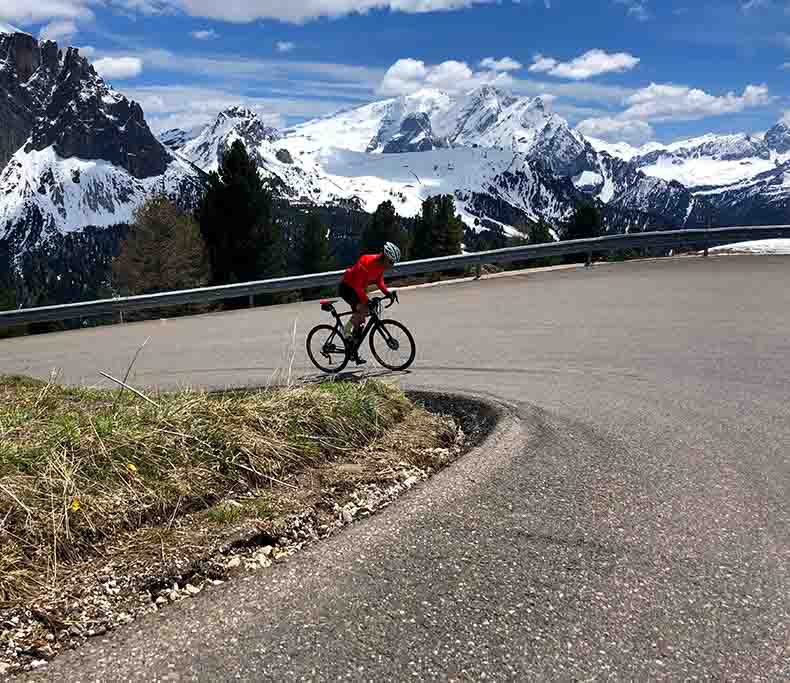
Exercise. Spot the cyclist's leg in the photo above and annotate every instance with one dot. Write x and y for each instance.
(359, 310)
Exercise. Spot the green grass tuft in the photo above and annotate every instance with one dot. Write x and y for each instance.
(77, 466)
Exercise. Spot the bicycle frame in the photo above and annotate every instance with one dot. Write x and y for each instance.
(372, 321)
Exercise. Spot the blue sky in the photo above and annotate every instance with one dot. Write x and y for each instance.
(630, 70)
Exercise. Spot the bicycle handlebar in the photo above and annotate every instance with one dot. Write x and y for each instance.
(376, 300)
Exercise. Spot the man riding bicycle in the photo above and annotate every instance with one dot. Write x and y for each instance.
(369, 270)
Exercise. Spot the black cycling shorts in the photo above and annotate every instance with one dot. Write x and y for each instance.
(349, 295)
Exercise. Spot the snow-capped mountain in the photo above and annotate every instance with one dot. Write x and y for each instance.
(744, 178)
(176, 138)
(485, 143)
(521, 129)
(206, 149)
(760, 200)
(485, 117)
(74, 152)
(778, 138)
(710, 159)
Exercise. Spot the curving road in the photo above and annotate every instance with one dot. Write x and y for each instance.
(631, 519)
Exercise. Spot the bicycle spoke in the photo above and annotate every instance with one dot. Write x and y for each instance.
(326, 348)
(392, 345)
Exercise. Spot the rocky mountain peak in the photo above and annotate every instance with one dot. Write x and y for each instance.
(21, 53)
(27, 75)
(207, 149)
(246, 123)
(415, 135)
(538, 105)
(778, 138)
(85, 118)
(175, 138)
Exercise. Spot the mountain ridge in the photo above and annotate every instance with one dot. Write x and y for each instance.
(472, 140)
(74, 153)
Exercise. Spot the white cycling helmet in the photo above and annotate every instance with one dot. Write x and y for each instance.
(392, 252)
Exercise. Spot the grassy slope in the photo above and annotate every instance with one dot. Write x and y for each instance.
(80, 466)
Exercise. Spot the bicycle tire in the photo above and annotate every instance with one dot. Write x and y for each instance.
(376, 333)
(329, 369)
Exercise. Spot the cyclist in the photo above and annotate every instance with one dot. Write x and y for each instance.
(369, 270)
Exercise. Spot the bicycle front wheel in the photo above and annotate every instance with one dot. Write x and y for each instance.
(327, 349)
(392, 345)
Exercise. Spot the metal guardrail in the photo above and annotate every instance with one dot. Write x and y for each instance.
(675, 239)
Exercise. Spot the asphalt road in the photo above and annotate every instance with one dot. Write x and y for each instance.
(632, 520)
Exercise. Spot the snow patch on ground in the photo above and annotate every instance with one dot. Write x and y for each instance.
(706, 171)
(776, 246)
(588, 179)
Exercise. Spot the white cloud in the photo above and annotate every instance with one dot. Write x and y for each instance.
(449, 75)
(188, 107)
(756, 4)
(294, 11)
(636, 9)
(617, 130)
(206, 34)
(284, 46)
(60, 30)
(786, 118)
(576, 90)
(591, 63)
(118, 68)
(407, 76)
(504, 64)
(149, 7)
(261, 70)
(403, 77)
(87, 51)
(661, 102)
(37, 11)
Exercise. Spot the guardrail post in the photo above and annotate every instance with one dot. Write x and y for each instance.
(588, 262)
(707, 242)
(252, 301)
(478, 271)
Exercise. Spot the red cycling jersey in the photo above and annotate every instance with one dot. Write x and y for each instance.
(365, 272)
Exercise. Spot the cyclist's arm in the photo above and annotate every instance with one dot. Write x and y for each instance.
(362, 294)
(380, 284)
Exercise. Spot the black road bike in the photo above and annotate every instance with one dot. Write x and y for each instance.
(390, 342)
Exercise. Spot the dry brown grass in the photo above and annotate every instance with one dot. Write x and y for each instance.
(78, 466)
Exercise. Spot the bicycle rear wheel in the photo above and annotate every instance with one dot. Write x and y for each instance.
(392, 345)
(327, 349)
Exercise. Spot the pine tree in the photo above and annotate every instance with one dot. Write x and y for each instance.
(8, 303)
(539, 233)
(163, 251)
(313, 256)
(451, 227)
(314, 247)
(439, 231)
(384, 226)
(585, 223)
(425, 230)
(237, 222)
